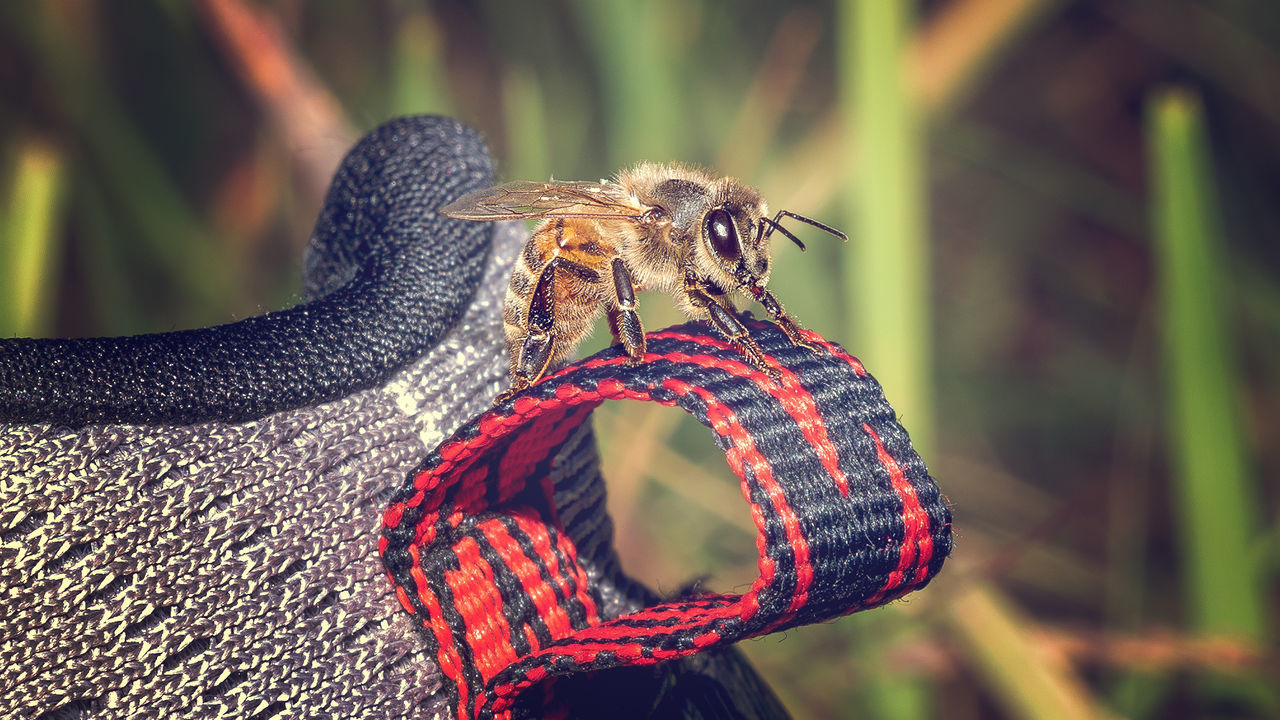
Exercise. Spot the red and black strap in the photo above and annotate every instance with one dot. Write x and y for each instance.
(847, 516)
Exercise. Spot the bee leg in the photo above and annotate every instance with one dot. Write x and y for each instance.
(774, 308)
(535, 354)
(540, 339)
(626, 322)
(726, 320)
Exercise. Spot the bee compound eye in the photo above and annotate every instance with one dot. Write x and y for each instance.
(722, 234)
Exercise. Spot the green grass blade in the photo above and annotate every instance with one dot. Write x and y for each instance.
(886, 272)
(29, 243)
(1215, 492)
(418, 74)
(888, 275)
(998, 642)
(527, 128)
(635, 61)
(887, 269)
(167, 227)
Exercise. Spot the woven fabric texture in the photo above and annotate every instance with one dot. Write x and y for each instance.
(229, 569)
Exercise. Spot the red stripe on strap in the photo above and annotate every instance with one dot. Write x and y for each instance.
(526, 451)
(834, 349)
(447, 655)
(541, 540)
(917, 543)
(538, 591)
(478, 602)
(791, 395)
(725, 422)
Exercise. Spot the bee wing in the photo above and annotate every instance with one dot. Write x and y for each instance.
(518, 200)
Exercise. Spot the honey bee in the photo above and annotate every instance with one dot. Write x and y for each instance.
(672, 228)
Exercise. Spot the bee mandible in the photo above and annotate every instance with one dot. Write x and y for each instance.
(671, 228)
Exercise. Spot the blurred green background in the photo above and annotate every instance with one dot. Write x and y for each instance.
(1064, 269)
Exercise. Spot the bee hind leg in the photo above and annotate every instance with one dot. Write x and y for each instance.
(535, 355)
(625, 321)
(538, 346)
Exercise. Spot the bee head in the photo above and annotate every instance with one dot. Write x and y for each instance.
(732, 251)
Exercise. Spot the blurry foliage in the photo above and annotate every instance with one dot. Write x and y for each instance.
(148, 182)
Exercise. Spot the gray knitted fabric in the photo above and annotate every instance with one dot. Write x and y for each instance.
(200, 538)
(231, 570)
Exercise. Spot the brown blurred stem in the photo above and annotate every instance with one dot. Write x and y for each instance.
(301, 108)
(771, 93)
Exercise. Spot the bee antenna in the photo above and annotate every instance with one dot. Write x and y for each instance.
(774, 225)
(821, 226)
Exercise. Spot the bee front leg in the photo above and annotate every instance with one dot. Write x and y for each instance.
(726, 320)
(774, 308)
(626, 321)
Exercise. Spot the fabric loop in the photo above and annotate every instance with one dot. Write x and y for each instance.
(846, 514)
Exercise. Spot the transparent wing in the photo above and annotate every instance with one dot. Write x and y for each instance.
(517, 200)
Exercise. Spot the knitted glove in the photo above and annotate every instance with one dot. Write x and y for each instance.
(190, 521)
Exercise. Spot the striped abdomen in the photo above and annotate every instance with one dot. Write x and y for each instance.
(581, 284)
